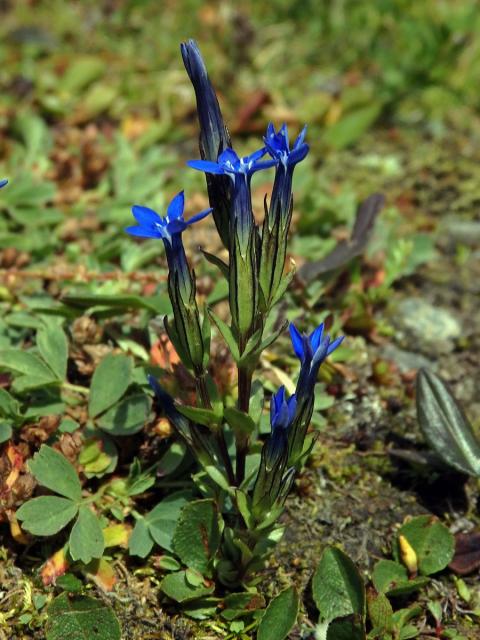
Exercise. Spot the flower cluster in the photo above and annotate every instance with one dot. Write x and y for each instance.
(256, 281)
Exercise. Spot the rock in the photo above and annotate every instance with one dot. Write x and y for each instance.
(429, 326)
(462, 231)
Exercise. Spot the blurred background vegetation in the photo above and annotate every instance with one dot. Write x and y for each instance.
(96, 111)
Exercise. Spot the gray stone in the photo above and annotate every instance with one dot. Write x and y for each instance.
(462, 231)
(426, 322)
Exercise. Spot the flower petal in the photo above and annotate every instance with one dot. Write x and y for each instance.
(316, 337)
(146, 216)
(3, 183)
(199, 216)
(144, 232)
(297, 341)
(176, 206)
(336, 343)
(206, 165)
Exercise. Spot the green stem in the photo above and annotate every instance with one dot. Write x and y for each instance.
(244, 390)
(76, 387)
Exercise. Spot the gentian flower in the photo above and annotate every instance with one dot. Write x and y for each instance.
(277, 219)
(3, 183)
(243, 234)
(312, 350)
(186, 334)
(214, 136)
(169, 229)
(240, 171)
(282, 412)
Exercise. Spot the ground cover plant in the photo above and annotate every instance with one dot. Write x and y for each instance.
(184, 452)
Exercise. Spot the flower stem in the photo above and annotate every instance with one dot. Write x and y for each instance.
(244, 390)
(219, 434)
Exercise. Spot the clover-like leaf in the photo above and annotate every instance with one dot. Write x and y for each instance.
(86, 538)
(55, 472)
(46, 515)
(111, 379)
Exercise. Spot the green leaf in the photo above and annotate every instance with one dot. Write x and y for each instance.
(227, 334)
(111, 379)
(445, 426)
(46, 515)
(379, 611)
(159, 305)
(391, 578)
(86, 538)
(337, 586)
(9, 407)
(199, 415)
(127, 416)
(52, 344)
(69, 582)
(140, 542)
(280, 616)
(352, 126)
(432, 542)
(239, 421)
(176, 587)
(81, 618)
(26, 363)
(163, 518)
(5, 432)
(54, 471)
(197, 535)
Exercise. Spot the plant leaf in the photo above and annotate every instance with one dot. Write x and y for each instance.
(52, 344)
(445, 426)
(111, 379)
(81, 618)
(55, 472)
(176, 587)
(432, 542)
(127, 416)
(46, 515)
(140, 542)
(86, 538)
(197, 535)
(163, 518)
(337, 586)
(280, 616)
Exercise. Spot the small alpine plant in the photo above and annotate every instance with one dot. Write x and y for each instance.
(245, 480)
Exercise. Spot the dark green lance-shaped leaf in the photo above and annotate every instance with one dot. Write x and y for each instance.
(9, 407)
(46, 515)
(140, 542)
(177, 587)
(379, 611)
(199, 415)
(127, 416)
(280, 616)
(162, 519)
(52, 344)
(109, 382)
(86, 538)
(227, 335)
(337, 586)
(197, 535)
(432, 542)
(54, 471)
(81, 618)
(445, 426)
(391, 578)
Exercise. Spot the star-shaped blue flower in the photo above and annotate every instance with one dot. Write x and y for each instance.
(278, 145)
(282, 411)
(151, 225)
(230, 164)
(312, 350)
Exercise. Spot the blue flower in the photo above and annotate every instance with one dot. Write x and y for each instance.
(230, 164)
(312, 350)
(278, 145)
(151, 225)
(3, 183)
(282, 411)
(214, 137)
